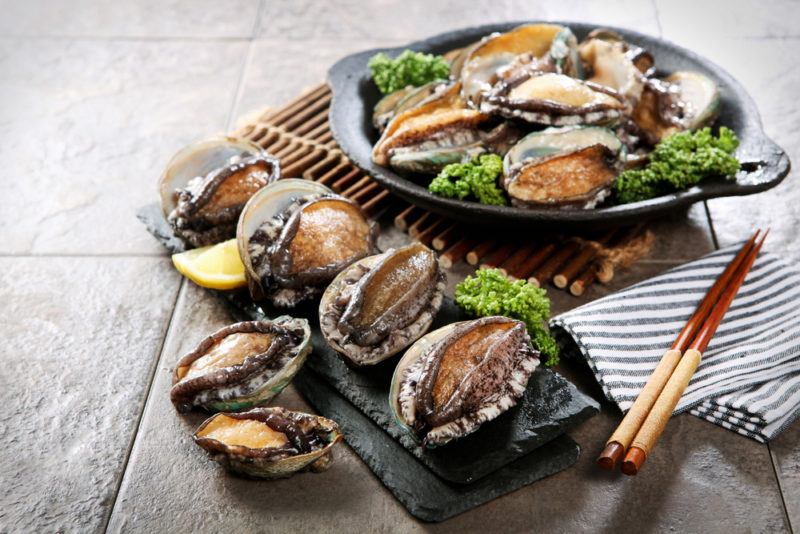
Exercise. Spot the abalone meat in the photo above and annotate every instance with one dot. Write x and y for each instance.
(381, 304)
(206, 185)
(554, 99)
(295, 236)
(269, 442)
(562, 167)
(456, 378)
(242, 365)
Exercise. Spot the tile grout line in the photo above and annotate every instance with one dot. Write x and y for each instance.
(84, 255)
(654, 3)
(711, 225)
(237, 95)
(780, 489)
(127, 38)
(148, 393)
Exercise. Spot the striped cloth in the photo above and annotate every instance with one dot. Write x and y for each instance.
(749, 378)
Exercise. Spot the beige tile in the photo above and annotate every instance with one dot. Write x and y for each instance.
(88, 127)
(80, 339)
(143, 18)
(406, 20)
(278, 71)
(729, 19)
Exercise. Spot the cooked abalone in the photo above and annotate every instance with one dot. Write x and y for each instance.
(438, 131)
(206, 186)
(568, 166)
(399, 101)
(293, 243)
(381, 304)
(554, 99)
(269, 442)
(527, 43)
(456, 378)
(611, 64)
(684, 100)
(242, 365)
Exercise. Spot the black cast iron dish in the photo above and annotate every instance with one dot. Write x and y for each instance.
(764, 163)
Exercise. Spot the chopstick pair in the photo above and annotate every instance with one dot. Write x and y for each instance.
(641, 427)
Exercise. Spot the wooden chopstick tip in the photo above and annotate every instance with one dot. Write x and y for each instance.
(610, 456)
(633, 461)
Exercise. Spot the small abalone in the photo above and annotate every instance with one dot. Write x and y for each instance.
(456, 378)
(381, 304)
(206, 185)
(294, 239)
(242, 365)
(269, 442)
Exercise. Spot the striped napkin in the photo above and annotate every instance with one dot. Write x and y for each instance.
(749, 378)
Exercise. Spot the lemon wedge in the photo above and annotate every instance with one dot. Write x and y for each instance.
(216, 266)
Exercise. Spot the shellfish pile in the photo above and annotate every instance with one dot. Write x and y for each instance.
(567, 116)
(299, 241)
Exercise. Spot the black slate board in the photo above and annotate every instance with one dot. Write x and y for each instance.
(425, 495)
(480, 467)
(550, 406)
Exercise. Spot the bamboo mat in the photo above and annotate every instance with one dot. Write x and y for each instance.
(299, 135)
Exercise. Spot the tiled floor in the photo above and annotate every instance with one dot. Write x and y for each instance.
(96, 96)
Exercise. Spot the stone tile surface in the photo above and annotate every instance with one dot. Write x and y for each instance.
(91, 128)
(79, 341)
(736, 19)
(406, 21)
(297, 64)
(144, 18)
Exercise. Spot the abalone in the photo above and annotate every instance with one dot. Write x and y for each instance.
(381, 304)
(563, 167)
(294, 243)
(554, 99)
(460, 376)
(242, 365)
(269, 442)
(206, 186)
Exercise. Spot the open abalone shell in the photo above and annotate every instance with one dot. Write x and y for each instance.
(294, 239)
(269, 442)
(381, 304)
(242, 365)
(456, 378)
(206, 186)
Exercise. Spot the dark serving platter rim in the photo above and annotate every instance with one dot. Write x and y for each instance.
(764, 163)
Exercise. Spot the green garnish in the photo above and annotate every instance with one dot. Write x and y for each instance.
(489, 292)
(477, 178)
(679, 162)
(409, 68)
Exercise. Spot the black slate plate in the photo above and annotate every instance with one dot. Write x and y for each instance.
(425, 495)
(550, 406)
(765, 164)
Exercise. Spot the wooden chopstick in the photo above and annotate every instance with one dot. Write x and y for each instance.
(623, 436)
(662, 410)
